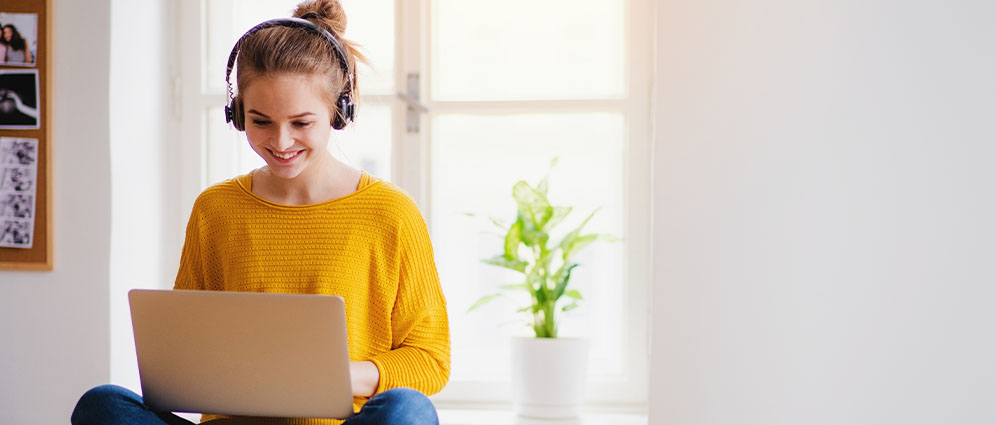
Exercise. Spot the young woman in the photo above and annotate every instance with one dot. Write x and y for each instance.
(308, 223)
(17, 50)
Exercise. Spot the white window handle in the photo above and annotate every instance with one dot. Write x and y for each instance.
(415, 106)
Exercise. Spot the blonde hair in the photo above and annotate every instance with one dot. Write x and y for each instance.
(284, 50)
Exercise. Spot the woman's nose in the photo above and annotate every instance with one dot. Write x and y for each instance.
(284, 138)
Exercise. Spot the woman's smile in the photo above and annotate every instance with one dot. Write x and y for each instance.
(287, 156)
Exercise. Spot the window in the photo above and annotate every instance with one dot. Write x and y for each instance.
(507, 86)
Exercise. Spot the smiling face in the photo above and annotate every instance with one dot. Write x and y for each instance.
(8, 33)
(288, 124)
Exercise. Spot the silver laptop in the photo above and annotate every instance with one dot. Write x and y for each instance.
(240, 353)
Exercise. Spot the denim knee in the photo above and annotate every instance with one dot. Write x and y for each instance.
(101, 401)
(399, 406)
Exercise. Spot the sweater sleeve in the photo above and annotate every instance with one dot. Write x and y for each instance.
(190, 274)
(420, 354)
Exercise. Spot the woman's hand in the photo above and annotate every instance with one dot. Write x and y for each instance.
(364, 377)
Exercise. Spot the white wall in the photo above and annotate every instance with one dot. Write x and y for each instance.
(54, 337)
(824, 213)
(144, 252)
(65, 331)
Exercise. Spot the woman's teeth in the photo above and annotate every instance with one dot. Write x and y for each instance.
(288, 155)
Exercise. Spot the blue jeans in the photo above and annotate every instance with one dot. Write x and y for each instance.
(114, 405)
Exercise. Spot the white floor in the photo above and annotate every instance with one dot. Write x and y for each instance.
(504, 417)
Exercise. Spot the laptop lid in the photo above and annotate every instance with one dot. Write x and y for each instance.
(241, 353)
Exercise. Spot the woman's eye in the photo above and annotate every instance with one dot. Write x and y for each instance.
(302, 124)
(260, 123)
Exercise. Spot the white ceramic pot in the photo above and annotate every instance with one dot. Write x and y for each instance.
(548, 376)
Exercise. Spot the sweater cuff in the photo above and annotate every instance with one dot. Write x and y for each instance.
(406, 367)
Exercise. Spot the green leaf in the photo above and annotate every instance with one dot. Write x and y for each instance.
(531, 308)
(585, 240)
(562, 277)
(609, 238)
(563, 273)
(498, 223)
(568, 241)
(578, 243)
(532, 204)
(544, 261)
(484, 300)
(570, 306)
(501, 261)
(559, 214)
(573, 293)
(543, 186)
(512, 240)
(521, 286)
(530, 236)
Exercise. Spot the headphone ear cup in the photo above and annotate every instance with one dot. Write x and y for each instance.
(235, 115)
(337, 122)
(344, 112)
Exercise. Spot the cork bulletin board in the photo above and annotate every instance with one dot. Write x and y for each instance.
(25, 130)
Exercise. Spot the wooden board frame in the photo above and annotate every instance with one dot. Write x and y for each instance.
(39, 256)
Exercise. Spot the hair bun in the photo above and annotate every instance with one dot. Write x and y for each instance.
(327, 14)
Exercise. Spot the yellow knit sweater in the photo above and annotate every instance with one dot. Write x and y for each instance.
(370, 247)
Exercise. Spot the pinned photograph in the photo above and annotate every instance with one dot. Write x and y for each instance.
(17, 180)
(18, 190)
(19, 100)
(18, 152)
(15, 234)
(18, 39)
(17, 206)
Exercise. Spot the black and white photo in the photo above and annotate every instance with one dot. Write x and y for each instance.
(19, 152)
(19, 100)
(17, 180)
(17, 206)
(15, 234)
(18, 190)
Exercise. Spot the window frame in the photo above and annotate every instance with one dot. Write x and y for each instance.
(412, 39)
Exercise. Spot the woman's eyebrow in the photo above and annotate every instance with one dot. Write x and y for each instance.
(303, 114)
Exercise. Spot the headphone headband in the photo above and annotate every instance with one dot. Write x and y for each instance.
(344, 103)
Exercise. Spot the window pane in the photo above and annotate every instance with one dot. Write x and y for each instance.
(228, 151)
(227, 20)
(526, 49)
(366, 143)
(370, 24)
(476, 160)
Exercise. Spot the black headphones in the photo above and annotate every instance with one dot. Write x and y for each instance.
(345, 107)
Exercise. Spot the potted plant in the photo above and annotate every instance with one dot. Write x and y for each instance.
(547, 371)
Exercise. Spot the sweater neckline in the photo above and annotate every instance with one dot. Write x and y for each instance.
(367, 181)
